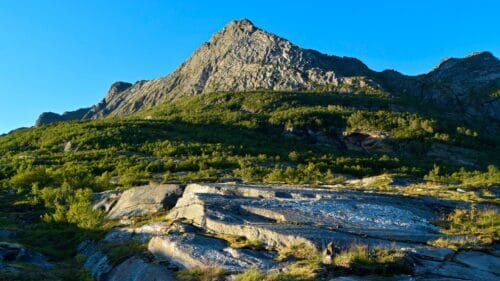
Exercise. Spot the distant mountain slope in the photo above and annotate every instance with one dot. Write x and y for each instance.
(242, 57)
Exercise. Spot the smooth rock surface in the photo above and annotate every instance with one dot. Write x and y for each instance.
(140, 234)
(455, 270)
(191, 250)
(480, 261)
(96, 262)
(135, 269)
(314, 217)
(144, 200)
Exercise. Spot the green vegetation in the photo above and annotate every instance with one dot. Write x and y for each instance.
(357, 260)
(306, 266)
(296, 252)
(491, 177)
(48, 174)
(118, 252)
(240, 242)
(360, 260)
(480, 226)
(201, 274)
(474, 229)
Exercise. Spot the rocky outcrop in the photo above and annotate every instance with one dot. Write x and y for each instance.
(96, 262)
(133, 268)
(313, 218)
(136, 269)
(194, 232)
(139, 200)
(192, 250)
(51, 117)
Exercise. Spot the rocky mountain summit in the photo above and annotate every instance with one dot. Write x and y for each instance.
(243, 57)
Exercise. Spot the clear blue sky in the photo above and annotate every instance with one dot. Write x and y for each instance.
(62, 55)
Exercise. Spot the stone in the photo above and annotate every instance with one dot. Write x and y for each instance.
(144, 200)
(69, 146)
(136, 269)
(479, 260)
(96, 262)
(191, 250)
(141, 234)
(106, 200)
(14, 252)
(328, 254)
(283, 216)
(351, 212)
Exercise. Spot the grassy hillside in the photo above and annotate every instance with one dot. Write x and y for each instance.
(50, 172)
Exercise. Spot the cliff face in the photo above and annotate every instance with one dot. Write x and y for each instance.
(242, 57)
(239, 57)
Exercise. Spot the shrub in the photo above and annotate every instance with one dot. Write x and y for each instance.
(361, 260)
(300, 252)
(482, 223)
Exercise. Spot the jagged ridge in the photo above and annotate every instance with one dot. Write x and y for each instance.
(242, 57)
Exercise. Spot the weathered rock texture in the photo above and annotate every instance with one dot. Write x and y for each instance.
(51, 117)
(141, 200)
(191, 235)
(242, 57)
(136, 269)
(191, 250)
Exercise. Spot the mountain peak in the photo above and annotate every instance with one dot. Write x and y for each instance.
(241, 24)
(484, 58)
(480, 54)
(243, 57)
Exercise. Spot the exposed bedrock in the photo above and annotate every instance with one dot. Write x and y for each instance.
(201, 216)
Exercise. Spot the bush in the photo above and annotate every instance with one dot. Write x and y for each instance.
(484, 224)
(68, 205)
(488, 178)
(360, 260)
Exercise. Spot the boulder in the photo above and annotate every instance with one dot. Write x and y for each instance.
(96, 262)
(191, 250)
(144, 200)
(328, 254)
(136, 269)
